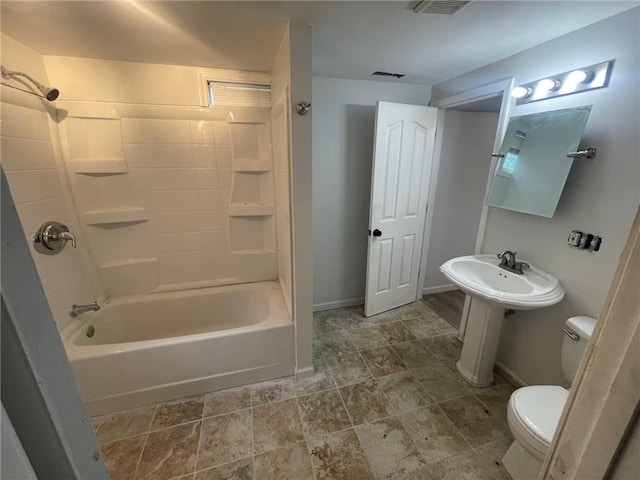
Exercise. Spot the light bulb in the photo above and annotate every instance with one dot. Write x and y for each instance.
(520, 92)
(547, 84)
(580, 76)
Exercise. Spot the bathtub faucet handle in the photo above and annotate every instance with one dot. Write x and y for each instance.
(68, 236)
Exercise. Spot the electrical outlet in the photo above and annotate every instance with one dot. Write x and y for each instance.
(584, 241)
(574, 238)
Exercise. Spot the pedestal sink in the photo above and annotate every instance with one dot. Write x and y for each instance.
(492, 290)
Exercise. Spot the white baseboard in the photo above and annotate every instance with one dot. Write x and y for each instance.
(509, 376)
(439, 289)
(350, 302)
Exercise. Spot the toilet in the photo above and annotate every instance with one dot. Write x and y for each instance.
(533, 412)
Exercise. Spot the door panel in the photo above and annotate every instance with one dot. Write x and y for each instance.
(403, 155)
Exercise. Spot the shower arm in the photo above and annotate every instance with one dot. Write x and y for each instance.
(49, 93)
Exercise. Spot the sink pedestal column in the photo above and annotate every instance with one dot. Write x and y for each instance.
(480, 342)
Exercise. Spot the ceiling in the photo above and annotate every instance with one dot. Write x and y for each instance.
(350, 39)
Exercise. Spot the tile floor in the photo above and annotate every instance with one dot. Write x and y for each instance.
(384, 402)
(448, 305)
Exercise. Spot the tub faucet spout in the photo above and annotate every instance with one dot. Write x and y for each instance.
(80, 309)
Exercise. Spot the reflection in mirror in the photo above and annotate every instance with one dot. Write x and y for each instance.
(533, 165)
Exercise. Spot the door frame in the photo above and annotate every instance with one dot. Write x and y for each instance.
(500, 87)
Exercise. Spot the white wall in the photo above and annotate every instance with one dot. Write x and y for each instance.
(300, 53)
(465, 160)
(343, 128)
(601, 195)
(31, 160)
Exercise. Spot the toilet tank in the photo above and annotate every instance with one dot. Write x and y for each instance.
(573, 350)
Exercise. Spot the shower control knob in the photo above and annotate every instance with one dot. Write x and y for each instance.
(52, 237)
(377, 233)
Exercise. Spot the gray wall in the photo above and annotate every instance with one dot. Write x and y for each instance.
(601, 195)
(343, 127)
(465, 160)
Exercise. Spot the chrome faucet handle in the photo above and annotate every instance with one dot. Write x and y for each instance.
(506, 253)
(68, 236)
(52, 237)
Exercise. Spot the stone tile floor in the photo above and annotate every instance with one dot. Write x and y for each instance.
(384, 402)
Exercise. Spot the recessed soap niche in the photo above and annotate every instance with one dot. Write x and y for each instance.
(251, 202)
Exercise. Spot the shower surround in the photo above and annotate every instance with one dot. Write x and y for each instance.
(182, 214)
(172, 197)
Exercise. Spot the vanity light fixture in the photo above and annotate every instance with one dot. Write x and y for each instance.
(573, 81)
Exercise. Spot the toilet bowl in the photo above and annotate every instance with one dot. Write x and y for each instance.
(533, 412)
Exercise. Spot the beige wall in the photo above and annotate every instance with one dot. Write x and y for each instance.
(601, 195)
(32, 162)
(123, 82)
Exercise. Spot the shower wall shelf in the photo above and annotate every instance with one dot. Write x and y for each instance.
(115, 215)
(256, 251)
(251, 210)
(131, 276)
(252, 166)
(129, 263)
(92, 166)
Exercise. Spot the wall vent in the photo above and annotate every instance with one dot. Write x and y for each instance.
(442, 7)
(388, 74)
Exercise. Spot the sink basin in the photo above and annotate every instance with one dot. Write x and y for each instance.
(480, 276)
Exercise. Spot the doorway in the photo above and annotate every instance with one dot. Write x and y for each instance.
(473, 124)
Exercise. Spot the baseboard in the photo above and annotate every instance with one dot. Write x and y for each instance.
(439, 289)
(508, 375)
(350, 302)
(304, 372)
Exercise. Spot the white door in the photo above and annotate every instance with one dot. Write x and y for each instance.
(402, 159)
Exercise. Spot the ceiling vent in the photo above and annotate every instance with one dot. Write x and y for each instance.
(442, 7)
(388, 74)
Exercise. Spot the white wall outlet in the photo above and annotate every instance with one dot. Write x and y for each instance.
(574, 238)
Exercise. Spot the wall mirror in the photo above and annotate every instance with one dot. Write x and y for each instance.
(533, 165)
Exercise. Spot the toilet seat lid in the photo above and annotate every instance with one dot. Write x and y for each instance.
(539, 408)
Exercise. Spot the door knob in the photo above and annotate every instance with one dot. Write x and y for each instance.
(377, 233)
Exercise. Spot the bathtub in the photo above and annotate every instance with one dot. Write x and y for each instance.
(151, 348)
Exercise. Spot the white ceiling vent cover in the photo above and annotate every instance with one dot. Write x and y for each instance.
(442, 7)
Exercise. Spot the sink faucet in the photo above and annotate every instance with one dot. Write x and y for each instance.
(79, 309)
(509, 263)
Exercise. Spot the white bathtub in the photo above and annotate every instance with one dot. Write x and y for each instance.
(152, 348)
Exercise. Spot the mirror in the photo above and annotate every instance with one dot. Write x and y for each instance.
(533, 165)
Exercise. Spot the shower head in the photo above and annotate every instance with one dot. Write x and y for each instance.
(50, 93)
